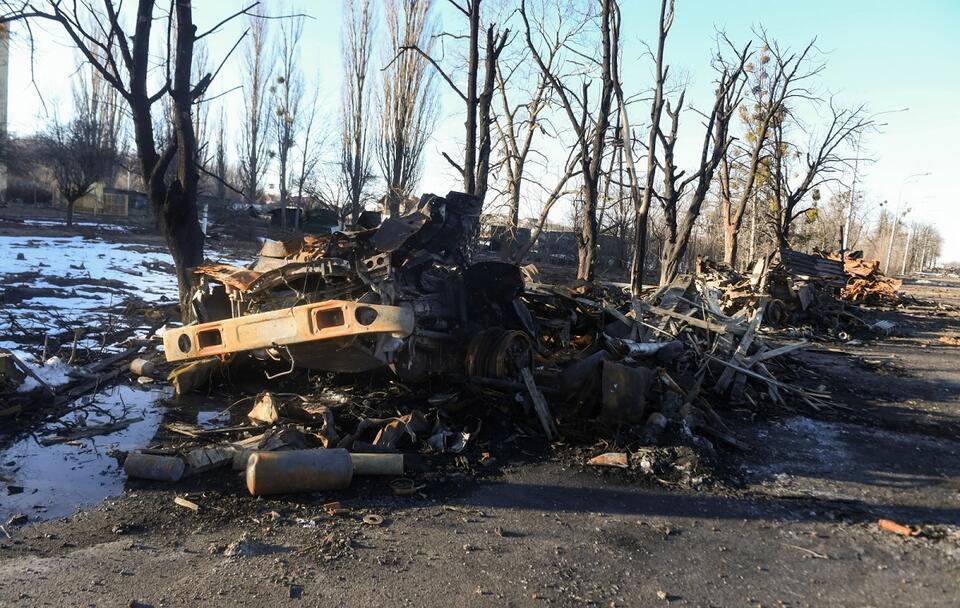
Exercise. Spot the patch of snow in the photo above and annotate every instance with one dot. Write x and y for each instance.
(101, 226)
(85, 305)
(54, 372)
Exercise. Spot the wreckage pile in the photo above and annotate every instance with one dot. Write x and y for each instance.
(468, 344)
(865, 282)
(800, 288)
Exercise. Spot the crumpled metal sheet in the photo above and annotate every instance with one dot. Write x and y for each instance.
(231, 276)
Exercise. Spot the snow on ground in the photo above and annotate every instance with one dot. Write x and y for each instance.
(54, 372)
(61, 223)
(75, 306)
(79, 257)
(83, 308)
(71, 288)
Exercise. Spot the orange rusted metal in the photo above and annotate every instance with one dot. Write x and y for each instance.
(319, 321)
(232, 276)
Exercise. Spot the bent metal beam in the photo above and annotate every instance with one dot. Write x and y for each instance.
(319, 321)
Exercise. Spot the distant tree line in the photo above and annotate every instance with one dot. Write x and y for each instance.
(548, 118)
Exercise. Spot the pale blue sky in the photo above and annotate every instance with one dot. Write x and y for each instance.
(884, 53)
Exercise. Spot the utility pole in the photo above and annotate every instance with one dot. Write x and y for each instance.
(896, 218)
(906, 251)
(923, 256)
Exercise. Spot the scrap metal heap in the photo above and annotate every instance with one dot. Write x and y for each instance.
(402, 295)
(406, 295)
(801, 288)
(865, 281)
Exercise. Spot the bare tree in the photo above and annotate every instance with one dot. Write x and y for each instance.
(476, 94)
(80, 154)
(517, 126)
(822, 161)
(520, 121)
(773, 87)
(310, 145)
(220, 160)
(201, 113)
(643, 197)
(287, 92)
(127, 66)
(354, 143)
(716, 139)
(589, 124)
(259, 62)
(408, 99)
(571, 169)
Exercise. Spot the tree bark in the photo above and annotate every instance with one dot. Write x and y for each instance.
(642, 211)
(730, 244)
(470, 125)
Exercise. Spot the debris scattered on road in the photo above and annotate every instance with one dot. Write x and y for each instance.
(186, 503)
(462, 354)
(610, 459)
(336, 508)
(18, 519)
(892, 526)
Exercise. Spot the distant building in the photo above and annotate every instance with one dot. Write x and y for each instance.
(110, 202)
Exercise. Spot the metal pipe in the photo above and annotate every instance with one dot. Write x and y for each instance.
(153, 466)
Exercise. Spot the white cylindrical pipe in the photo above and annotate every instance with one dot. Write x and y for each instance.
(377, 464)
(151, 466)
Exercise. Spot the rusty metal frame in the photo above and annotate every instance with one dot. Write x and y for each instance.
(318, 321)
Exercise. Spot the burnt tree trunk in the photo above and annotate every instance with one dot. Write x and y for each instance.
(642, 206)
(470, 125)
(70, 204)
(174, 202)
(730, 243)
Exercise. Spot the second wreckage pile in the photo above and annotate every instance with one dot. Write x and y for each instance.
(463, 340)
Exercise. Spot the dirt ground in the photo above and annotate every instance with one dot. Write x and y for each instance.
(793, 522)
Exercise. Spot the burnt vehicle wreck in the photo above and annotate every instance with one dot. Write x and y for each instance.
(411, 295)
(403, 295)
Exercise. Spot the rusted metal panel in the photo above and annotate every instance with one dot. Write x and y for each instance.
(811, 266)
(231, 276)
(315, 322)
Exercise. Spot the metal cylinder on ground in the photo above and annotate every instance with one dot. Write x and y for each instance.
(241, 457)
(293, 471)
(152, 466)
(377, 464)
(142, 367)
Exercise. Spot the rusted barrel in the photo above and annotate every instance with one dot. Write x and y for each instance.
(152, 466)
(294, 471)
